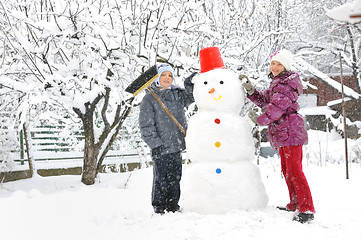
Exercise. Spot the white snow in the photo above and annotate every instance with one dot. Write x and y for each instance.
(345, 12)
(118, 206)
(320, 110)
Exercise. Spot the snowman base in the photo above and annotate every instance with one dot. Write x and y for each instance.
(216, 188)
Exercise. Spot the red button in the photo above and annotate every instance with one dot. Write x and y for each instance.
(217, 121)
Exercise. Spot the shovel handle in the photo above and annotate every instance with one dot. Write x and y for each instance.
(166, 109)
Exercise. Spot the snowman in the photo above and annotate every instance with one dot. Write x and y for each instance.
(221, 176)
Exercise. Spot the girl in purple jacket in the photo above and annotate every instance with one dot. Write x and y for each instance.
(286, 129)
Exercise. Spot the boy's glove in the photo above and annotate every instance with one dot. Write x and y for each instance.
(157, 152)
(247, 84)
(193, 74)
(193, 77)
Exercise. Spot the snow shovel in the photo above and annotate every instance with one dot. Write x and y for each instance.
(144, 81)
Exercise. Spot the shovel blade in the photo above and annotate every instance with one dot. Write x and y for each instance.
(143, 81)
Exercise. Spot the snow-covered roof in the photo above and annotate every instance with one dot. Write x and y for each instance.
(346, 13)
(302, 65)
(320, 110)
(338, 101)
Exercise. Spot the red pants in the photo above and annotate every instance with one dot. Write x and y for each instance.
(300, 194)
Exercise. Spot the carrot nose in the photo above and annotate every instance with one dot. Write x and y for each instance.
(211, 91)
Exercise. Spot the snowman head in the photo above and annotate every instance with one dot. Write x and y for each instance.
(217, 88)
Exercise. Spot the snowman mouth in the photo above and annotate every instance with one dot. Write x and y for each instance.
(217, 98)
(212, 92)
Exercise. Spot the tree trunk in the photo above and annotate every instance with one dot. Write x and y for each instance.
(127, 108)
(29, 146)
(92, 158)
(91, 150)
(89, 173)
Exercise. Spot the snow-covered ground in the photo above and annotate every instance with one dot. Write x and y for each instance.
(118, 207)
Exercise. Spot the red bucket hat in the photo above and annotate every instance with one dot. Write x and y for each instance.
(210, 59)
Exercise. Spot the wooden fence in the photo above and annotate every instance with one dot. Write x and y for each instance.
(51, 143)
(58, 151)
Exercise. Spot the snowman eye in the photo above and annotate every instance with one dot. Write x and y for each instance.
(221, 82)
(205, 83)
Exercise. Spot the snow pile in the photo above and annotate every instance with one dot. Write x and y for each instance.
(328, 148)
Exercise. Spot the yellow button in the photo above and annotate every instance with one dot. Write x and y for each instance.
(218, 144)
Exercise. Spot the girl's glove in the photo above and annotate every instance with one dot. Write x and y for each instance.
(247, 84)
(253, 116)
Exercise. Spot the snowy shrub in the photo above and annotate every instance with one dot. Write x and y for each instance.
(8, 145)
(356, 151)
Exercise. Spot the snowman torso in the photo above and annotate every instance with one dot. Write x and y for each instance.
(217, 132)
(218, 136)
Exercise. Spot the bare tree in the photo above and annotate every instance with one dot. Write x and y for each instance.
(75, 67)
